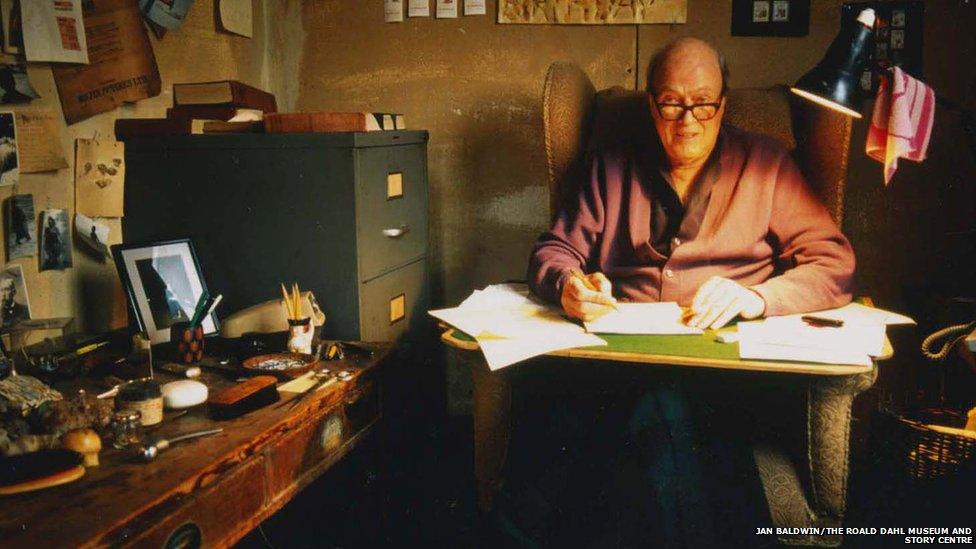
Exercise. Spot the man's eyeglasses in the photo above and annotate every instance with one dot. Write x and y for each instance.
(676, 111)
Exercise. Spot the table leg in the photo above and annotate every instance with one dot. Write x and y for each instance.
(492, 428)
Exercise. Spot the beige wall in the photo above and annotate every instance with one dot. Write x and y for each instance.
(89, 291)
(476, 86)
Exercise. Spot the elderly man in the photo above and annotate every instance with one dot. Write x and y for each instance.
(722, 222)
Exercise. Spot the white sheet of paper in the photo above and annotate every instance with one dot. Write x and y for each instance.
(54, 31)
(791, 331)
(393, 11)
(768, 351)
(474, 7)
(642, 318)
(501, 352)
(418, 8)
(236, 17)
(447, 9)
(855, 313)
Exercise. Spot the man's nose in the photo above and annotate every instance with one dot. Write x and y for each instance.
(687, 117)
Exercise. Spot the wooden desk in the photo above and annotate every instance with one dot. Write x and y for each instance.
(830, 389)
(220, 486)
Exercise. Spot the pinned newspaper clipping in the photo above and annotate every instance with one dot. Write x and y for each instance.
(122, 68)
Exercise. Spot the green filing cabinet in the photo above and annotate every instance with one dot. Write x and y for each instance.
(342, 214)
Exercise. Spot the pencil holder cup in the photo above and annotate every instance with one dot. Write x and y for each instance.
(188, 341)
(300, 334)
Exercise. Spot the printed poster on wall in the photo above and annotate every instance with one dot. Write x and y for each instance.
(418, 8)
(122, 66)
(55, 240)
(53, 31)
(474, 7)
(393, 11)
(21, 226)
(447, 9)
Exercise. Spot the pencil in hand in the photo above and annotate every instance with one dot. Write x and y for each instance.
(578, 274)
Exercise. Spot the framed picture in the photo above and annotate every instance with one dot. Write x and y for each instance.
(770, 17)
(14, 303)
(163, 283)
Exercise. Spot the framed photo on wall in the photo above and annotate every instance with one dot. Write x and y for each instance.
(770, 17)
(163, 283)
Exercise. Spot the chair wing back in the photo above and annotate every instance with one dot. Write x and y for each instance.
(576, 119)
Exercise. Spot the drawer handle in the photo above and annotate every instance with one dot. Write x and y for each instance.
(396, 233)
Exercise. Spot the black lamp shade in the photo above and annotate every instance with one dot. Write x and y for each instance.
(834, 81)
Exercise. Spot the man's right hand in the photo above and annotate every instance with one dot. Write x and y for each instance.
(587, 298)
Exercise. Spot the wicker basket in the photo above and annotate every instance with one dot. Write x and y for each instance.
(935, 446)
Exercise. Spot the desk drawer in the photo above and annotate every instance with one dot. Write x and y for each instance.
(388, 304)
(219, 515)
(391, 207)
(318, 443)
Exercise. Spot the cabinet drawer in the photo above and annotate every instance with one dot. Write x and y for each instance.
(391, 207)
(388, 304)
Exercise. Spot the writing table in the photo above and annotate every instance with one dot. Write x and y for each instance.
(812, 493)
(214, 489)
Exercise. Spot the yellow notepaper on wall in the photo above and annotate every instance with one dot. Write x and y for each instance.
(99, 177)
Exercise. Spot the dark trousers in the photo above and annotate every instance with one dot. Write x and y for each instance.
(663, 462)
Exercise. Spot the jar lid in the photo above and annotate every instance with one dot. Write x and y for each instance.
(139, 390)
(127, 416)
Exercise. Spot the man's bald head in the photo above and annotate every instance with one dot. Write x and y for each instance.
(681, 51)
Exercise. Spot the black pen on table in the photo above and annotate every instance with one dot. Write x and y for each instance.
(822, 322)
(578, 274)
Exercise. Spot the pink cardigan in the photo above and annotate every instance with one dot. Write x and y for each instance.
(763, 228)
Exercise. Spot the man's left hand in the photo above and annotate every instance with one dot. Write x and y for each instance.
(719, 300)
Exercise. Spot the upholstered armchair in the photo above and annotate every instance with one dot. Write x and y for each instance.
(803, 452)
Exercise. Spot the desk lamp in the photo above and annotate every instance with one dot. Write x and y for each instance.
(834, 81)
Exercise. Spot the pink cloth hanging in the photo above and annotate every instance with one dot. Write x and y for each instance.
(901, 125)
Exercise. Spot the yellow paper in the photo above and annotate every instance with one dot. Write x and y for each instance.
(39, 142)
(99, 177)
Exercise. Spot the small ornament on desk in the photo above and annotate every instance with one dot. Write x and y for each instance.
(301, 331)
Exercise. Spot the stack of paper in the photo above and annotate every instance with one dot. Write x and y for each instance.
(510, 326)
(860, 337)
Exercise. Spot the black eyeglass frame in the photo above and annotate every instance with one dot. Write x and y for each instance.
(685, 108)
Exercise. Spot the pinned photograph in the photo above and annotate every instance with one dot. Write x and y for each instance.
(898, 18)
(760, 11)
(20, 226)
(55, 244)
(781, 11)
(14, 85)
(14, 305)
(897, 39)
(92, 233)
(13, 33)
(9, 166)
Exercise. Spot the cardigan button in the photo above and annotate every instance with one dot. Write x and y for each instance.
(669, 273)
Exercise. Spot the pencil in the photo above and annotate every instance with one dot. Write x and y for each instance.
(284, 294)
(577, 274)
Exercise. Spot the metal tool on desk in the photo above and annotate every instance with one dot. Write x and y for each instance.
(149, 452)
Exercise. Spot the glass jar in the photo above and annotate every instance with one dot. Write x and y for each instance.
(125, 428)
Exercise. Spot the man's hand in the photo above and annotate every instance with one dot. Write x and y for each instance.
(719, 300)
(587, 297)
